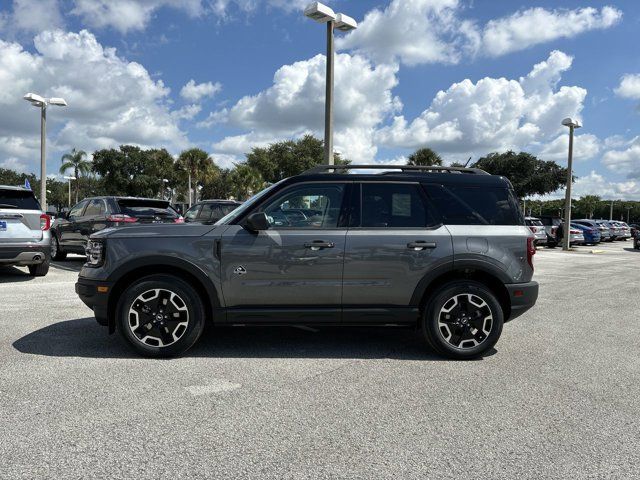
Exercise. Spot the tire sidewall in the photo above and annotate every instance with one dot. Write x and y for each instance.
(178, 286)
(430, 319)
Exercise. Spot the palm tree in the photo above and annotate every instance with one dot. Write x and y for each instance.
(77, 160)
(245, 181)
(425, 157)
(199, 167)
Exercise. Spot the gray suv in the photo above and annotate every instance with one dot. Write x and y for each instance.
(25, 238)
(440, 249)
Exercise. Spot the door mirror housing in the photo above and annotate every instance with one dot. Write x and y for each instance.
(257, 221)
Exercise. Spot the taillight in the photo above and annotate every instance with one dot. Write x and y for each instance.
(531, 251)
(574, 232)
(120, 218)
(178, 220)
(45, 222)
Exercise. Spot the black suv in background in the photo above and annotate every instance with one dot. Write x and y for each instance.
(71, 230)
(210, 211)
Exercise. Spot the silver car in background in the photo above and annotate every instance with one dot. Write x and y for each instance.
(605, 231)
(25, 238)
(538, 230)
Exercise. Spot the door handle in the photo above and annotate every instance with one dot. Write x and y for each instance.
(319, 244)
(421, 245)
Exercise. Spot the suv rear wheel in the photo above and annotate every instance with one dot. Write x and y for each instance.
(56, 251)
(160, 316)
(462, 320)
(39, 270)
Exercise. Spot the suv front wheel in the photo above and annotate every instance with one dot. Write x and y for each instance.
(160, 316)
(463, 320)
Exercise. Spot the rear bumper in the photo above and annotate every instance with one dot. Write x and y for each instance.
(523, 296)
(97, 301)
(25, 254)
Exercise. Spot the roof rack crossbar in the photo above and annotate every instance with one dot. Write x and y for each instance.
(403, 168)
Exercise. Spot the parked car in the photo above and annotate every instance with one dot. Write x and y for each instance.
(625, 229)
(538, 230)
(72, 230)
(636, 240)
(605, 232)
(551, 224)
(25, 237)
(611, 229)
(378, 250)
(634, 228)
(590, 235)
(210, 211)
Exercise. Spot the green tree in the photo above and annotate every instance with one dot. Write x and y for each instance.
(245, 181)
(76, 160)
(587, 205)
(528, 174)
(199, 168)
(286, 159)
(425, 157)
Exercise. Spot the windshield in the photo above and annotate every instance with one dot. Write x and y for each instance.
(227, 219)
(146, 208)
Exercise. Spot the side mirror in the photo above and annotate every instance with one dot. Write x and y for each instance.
(257, 221)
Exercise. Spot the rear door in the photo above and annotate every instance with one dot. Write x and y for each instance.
(19, 216)
(93, 219)
(394, 241)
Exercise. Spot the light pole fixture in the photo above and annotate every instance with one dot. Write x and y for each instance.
(42, 103)
(572, 124)
(70, 177)
(324, 14)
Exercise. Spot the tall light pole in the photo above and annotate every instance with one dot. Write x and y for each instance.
(69, 178)
(42, 103)
(572, 124)
(323, 14)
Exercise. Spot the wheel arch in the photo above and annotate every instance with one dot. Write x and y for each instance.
(159, 265)
(494, 281)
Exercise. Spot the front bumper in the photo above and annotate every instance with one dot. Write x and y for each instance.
(523, 296)
(25, 254)
(97, 300)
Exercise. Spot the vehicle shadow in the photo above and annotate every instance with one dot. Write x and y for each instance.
(631, 250)
(84, 338)
(70, 264)
(14, 274)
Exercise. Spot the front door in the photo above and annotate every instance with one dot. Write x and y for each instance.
(297, 263)
(393, 243)
(68, 228)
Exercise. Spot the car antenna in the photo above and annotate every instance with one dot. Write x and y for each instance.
(466, 164)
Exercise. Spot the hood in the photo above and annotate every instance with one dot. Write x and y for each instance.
(156, 230)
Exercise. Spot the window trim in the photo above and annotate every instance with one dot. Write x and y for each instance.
(426, 201)
(343, 224)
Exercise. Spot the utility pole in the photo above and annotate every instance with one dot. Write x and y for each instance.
(572, 124)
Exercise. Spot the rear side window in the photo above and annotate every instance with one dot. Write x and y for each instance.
(146, 208)
(18, 199)
(213, 211)
(393, 205)
(96, 207)
(469, 205)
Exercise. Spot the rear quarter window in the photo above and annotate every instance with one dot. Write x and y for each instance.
(18, 199)
(472, 205)
(146, 208)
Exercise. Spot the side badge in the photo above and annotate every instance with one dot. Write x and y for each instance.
(239, 270)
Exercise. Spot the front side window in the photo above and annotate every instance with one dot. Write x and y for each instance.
(192, 213)
(76, 211)
(393, 205)
(306, 206)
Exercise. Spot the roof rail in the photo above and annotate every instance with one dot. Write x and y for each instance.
(403, 168)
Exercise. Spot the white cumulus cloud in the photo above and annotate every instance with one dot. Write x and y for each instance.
(195, 92)
(492, 114)
(294, 105)
(111, 100)
(626, 160)
(629, 86)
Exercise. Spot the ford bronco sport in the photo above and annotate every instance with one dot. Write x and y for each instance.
(441, 249)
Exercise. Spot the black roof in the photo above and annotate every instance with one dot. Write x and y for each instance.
(119, 197)
(213, 200)
(399, 173)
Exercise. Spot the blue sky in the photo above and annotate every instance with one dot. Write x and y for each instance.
(462, 77)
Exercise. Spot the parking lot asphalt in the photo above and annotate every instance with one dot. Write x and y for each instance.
(559, 397)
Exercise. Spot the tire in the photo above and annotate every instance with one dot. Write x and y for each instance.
(481, 310)
(39, 270)
(56, 251)
(163, 336)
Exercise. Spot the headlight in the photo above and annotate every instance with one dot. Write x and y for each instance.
(95, 253)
